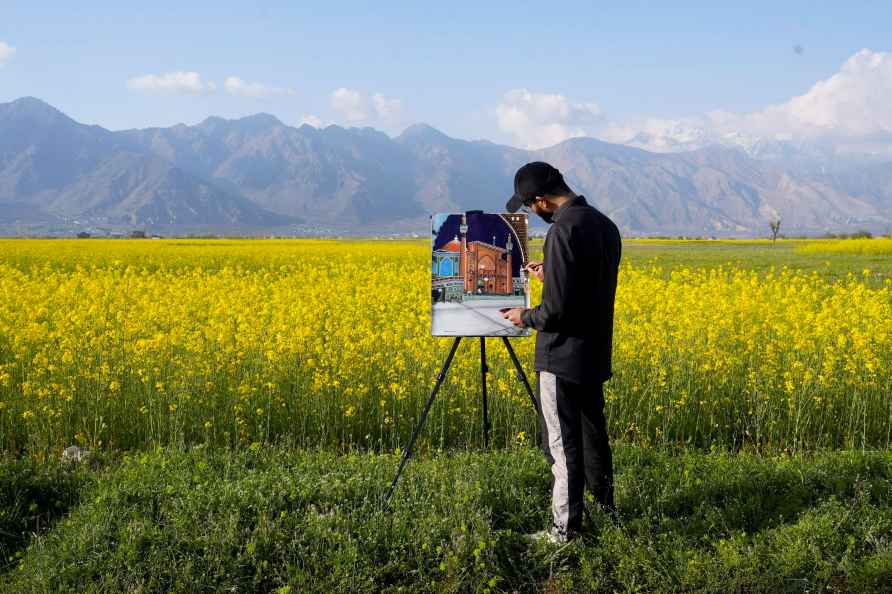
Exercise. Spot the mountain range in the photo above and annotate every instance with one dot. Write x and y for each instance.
(258, 175)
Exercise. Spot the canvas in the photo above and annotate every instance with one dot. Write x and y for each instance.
(477, 268)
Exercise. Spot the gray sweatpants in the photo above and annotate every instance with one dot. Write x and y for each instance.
(575, 442)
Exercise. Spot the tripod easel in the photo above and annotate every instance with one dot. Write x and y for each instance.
(484, 369)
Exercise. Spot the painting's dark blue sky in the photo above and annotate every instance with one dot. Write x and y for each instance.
(481, 227)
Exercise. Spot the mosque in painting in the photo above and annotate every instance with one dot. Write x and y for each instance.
(462, 268)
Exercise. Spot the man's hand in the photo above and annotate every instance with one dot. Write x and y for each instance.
(513, 314)
(535, 268)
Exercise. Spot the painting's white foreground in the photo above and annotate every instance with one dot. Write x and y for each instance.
(476, 317)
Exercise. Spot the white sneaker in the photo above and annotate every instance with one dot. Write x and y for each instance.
(552, 536)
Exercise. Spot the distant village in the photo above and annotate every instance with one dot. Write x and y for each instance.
(136, 234)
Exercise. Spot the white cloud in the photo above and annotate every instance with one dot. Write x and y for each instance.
(6, 52)
(311, 120)
(172, 82)
(854, 102)
(378, 109)
(851, 105)
(537, 120)
(387, 109)
(350, 104)
(236, 86)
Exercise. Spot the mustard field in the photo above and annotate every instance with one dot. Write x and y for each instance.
(882, 246)
(138, 343)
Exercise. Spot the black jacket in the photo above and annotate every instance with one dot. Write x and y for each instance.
(575, 319)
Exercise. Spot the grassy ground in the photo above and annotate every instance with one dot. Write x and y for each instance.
(275, 519)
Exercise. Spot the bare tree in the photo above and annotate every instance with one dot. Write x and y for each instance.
(775, 228)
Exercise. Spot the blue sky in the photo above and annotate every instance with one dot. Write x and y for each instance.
(449, 64)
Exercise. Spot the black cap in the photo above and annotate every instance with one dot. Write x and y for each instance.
(533, 179)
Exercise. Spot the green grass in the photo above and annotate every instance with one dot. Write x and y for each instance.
(33, 496)
(281, 520)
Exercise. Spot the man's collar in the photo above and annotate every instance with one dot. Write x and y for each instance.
(578, 200)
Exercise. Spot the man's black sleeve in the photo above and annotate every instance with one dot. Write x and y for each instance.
(557, 289)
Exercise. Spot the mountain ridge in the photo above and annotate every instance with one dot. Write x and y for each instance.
(258, 172)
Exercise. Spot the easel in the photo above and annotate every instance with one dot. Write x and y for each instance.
(440, 378)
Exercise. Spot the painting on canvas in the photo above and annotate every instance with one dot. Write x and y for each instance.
(477, 268)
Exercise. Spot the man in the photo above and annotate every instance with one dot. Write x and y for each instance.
(574, 340)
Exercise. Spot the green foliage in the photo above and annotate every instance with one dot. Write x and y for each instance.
(272, 519)
(33, 496)
(860, 234)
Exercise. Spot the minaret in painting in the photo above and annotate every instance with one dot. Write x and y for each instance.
(509, 268)
(463, 261)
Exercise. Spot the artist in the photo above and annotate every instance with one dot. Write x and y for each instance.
(574, 341)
